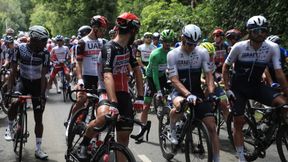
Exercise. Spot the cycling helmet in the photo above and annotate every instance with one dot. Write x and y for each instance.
(8, 39)
(274, 38)
(84, 30)
(128, 21)
(257, 22)
(209, 47)
(218, 31)
(156, 35)
(167, 35)
(233, 34)
(148, 34)
(99, 21)
(38, 32)
(59, 38)
(192, 33)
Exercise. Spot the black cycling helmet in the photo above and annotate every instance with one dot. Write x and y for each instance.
(8, 39)
(59, 38)
(84, 30)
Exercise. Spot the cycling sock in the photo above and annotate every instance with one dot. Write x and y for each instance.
(85, 141)
(38, 143)
(240, 152)
(10, 124)
(216, 158)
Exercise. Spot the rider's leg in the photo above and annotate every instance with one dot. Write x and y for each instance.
(174, 117)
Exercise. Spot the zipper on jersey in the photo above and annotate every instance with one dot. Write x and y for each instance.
(252, 68)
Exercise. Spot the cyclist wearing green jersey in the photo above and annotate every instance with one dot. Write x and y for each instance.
(156, 78)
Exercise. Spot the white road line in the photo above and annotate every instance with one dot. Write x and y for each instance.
(144, 158)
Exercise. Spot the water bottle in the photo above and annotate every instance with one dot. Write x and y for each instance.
(258, 115)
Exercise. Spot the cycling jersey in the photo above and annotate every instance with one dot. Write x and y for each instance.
(157, 66)
(115, 59)
(145, 51)
(88, 51)
(60, 54)
(284, 64)
(220, 56)
(30, 63)
(250, 63)
(188, 67)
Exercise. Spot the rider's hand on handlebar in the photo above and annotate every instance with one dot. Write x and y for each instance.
(212, 97)
(80, 83)
(192, 99)
(230, 94)
(159, 95)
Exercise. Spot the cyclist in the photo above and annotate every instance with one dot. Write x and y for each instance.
(155, 38)
(221, 49)
(283, 58)
(88, 50)
(184, 68)
(59, 57)
(116, 56)
(250, 57)
(144, 51)
(233, 36)
(219, 92)
(156, 77)
(33, 61)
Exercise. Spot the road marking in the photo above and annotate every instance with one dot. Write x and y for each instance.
(144, 158)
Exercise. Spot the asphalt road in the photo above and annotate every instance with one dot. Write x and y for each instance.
(54, 139)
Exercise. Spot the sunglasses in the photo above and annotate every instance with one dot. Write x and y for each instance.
(259, 30)
(148, 37)
(191, 43)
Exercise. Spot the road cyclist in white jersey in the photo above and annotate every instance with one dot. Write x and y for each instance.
(250, 58)
(185, 64)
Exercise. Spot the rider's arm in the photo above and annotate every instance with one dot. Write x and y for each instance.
(153, 62)
(79, 57)
(139, 60)
(173, 75)
(268, 78)
(280, 76)
(107, 59)
(46, 63)
(228, 63)
(208, 72)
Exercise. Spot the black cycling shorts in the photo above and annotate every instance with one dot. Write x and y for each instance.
(32, 87)
(202, 110)
(261, 93)
(125, 108)
(90, 81)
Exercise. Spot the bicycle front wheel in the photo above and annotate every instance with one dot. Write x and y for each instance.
(282, 143)
(18, 141)
(198, 145)
(113, 152)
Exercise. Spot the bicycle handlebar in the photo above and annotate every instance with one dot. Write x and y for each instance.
(92, 93)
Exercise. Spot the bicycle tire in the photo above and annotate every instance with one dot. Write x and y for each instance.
(113, 146)
(163, 128)
(75, 127)
(282, 141)
(230, 126)
(199, 130)
(19, 135)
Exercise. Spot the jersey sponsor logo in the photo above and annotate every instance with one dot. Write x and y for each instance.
(120, 63)
(93, 45)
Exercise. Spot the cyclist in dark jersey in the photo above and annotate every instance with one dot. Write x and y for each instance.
(250, 58)
(33, 61)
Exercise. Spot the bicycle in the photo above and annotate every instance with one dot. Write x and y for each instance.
(20, 126)
(261, 130)
(65, 85)
(81, 118)
(191, 131)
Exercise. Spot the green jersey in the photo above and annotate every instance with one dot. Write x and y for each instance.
(157, 66)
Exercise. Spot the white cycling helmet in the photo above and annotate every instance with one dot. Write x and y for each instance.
(38, 32)
(191, 32)
(274, 38)
(257, 22)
